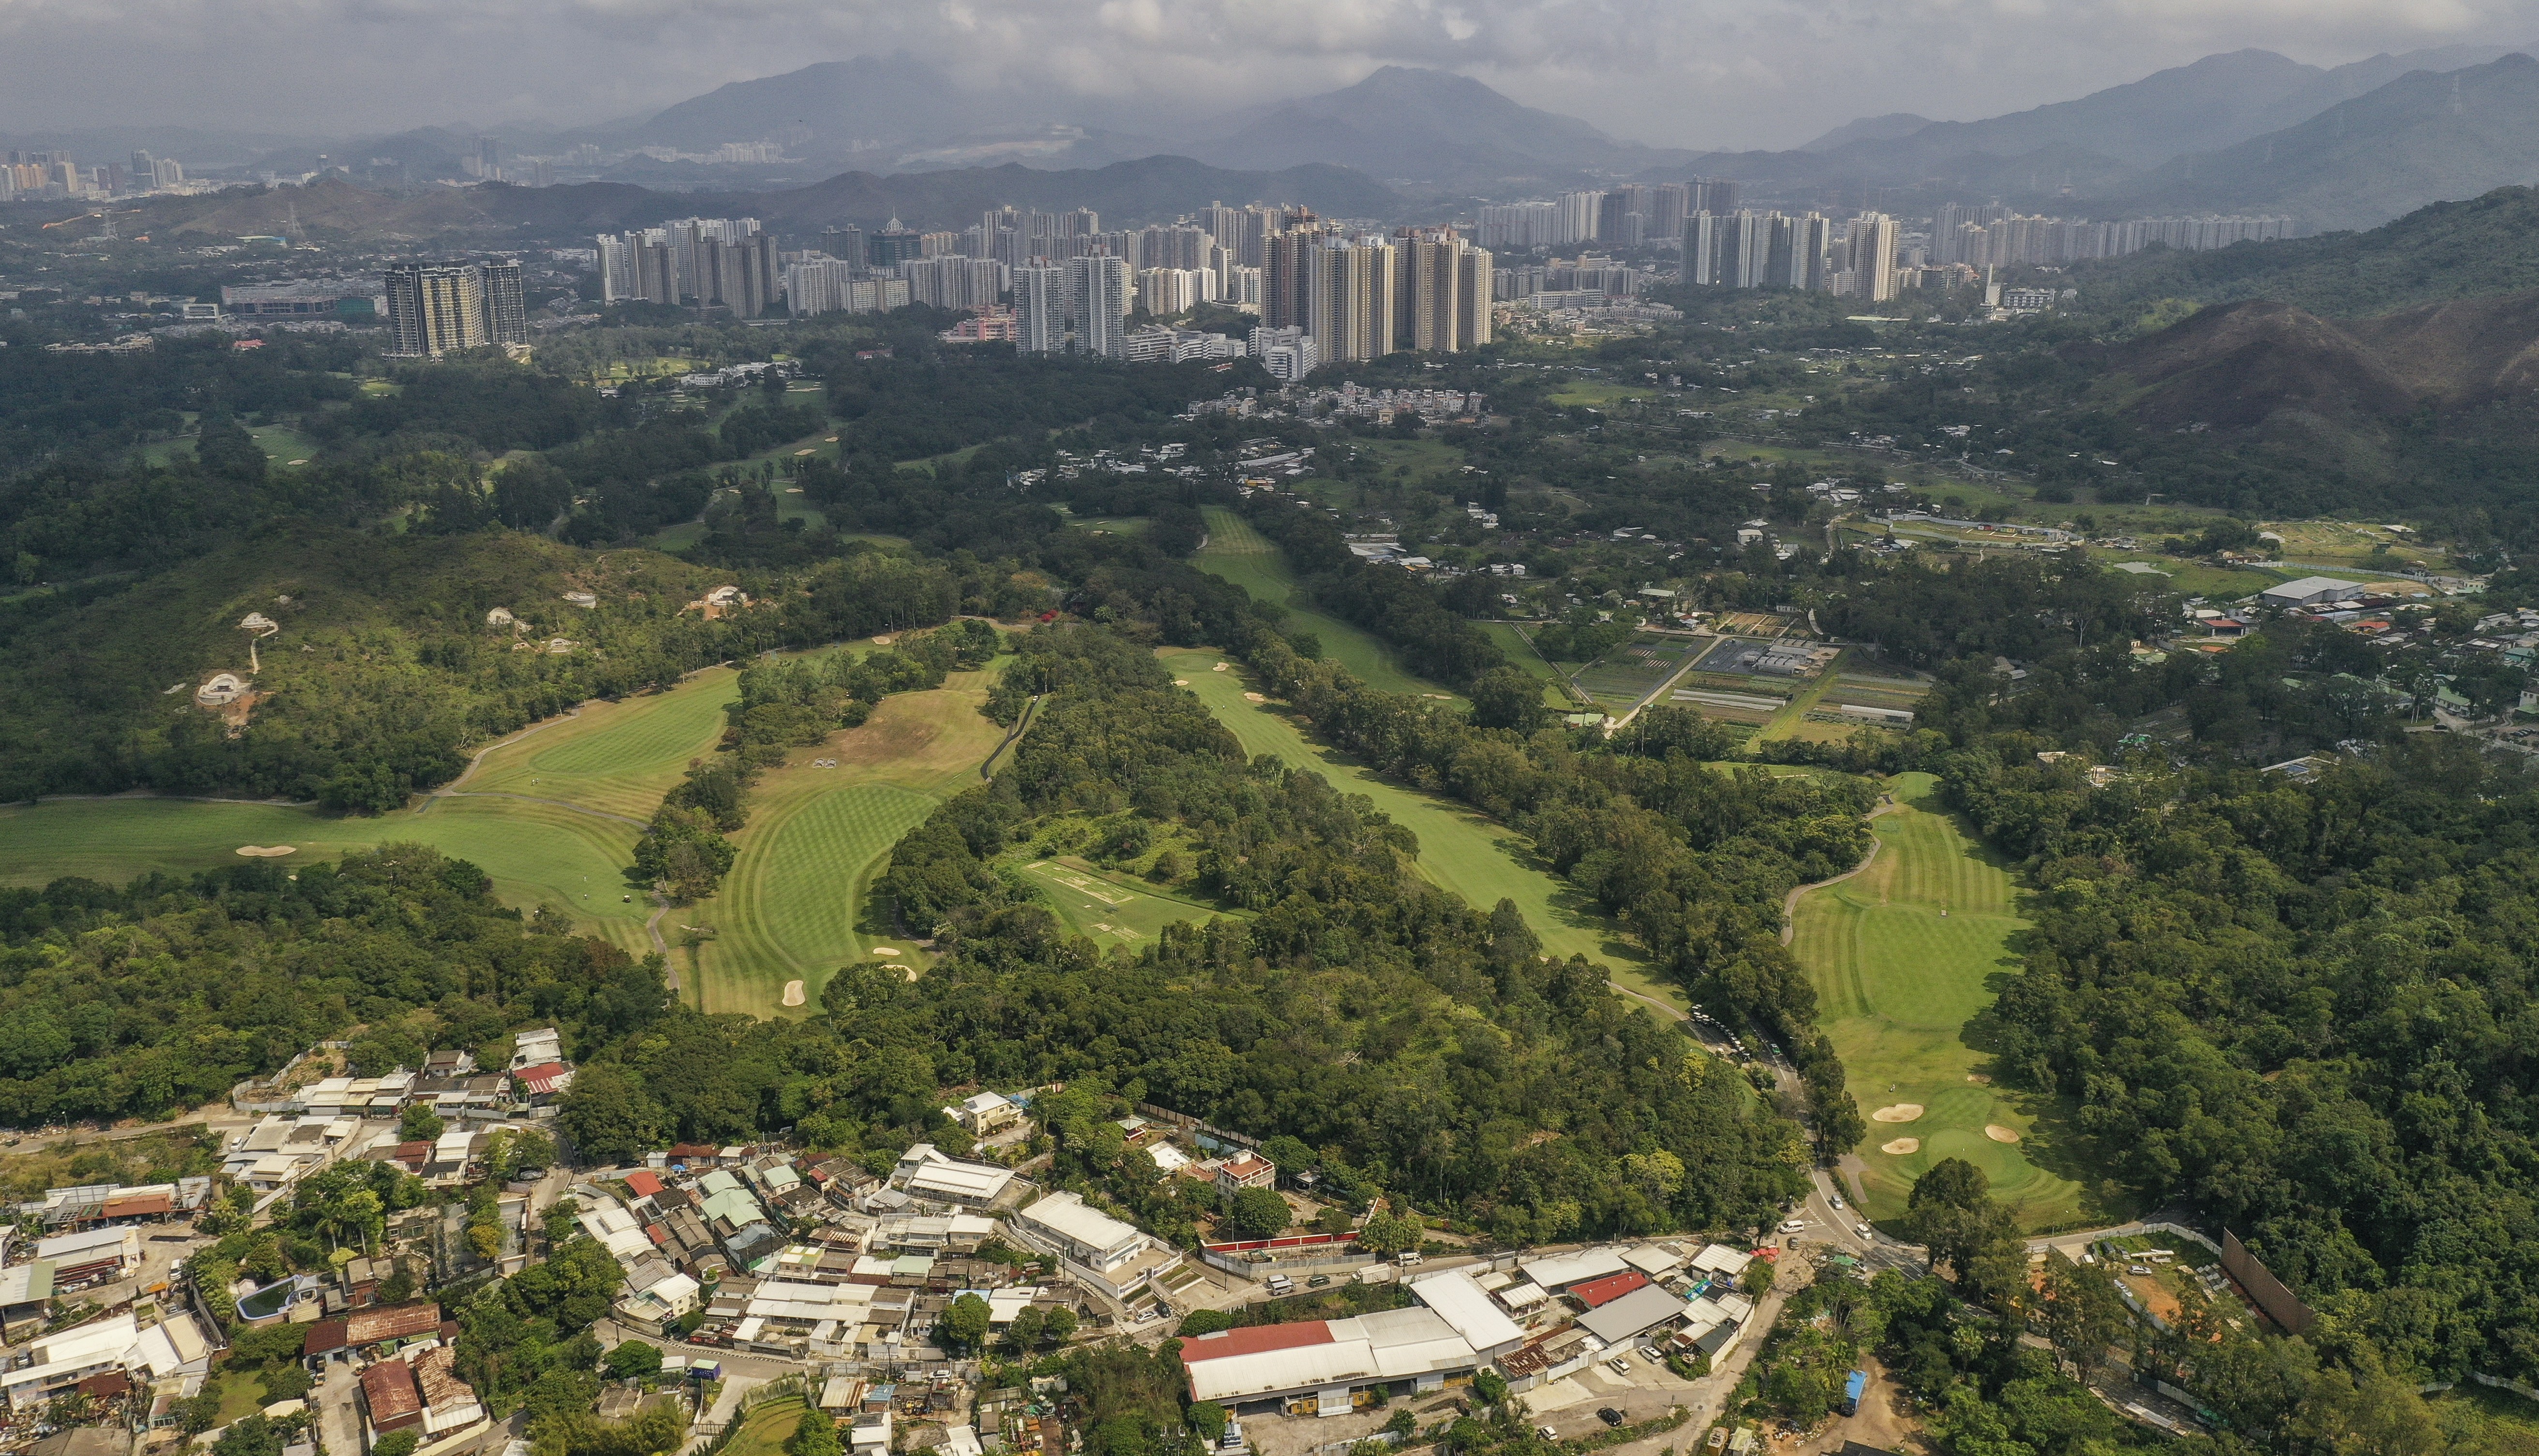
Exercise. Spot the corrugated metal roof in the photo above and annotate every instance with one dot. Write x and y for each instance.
(1639, 1310)
(1611, 1287)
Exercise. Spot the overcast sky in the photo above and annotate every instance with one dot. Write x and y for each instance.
(1699, 73)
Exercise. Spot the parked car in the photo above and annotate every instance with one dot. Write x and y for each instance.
(1619, 1366)
(1318, 1280)
(1545, 1432)
(1793, 1226)
(1863, 1230)
(1407, 1258)
(1650, 1353)
(1609, 1416)
(2138, 1269)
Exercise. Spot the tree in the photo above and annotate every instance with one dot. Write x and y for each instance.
(1757, 1279)
(1025, 1331)
(2083, 1313)
(1203, 1322)
(1207, 1419)
(1058, 1326)
(1952, 1215)
(396, 1443)
(1388, 1231)
(419, 1124)
(817, 1435)
(609, 1115)
(1491, 1386)
(1258, 1213)
(1508, 698)
(964, 1326)
(634, 1359)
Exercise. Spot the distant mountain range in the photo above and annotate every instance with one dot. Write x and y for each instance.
(2347, 146)
(2247, 131)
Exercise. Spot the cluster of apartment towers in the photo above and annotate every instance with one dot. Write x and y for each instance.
(437, 309)
(1355, 295)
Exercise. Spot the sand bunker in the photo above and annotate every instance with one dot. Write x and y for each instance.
(1978, 1078)
(1222, 668)
(1902, 1146)
(1177, 682)
(882, 641)
(1999, 1134)
(884, 951)
(1901, 1112)
(792, 992)
(1254, 698)
(266, 851)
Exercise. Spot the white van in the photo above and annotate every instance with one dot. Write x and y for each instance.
(1408, 1259)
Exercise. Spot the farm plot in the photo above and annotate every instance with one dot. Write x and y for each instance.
(1636, 667)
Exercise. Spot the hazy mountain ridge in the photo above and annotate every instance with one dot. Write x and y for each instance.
(2425, 137)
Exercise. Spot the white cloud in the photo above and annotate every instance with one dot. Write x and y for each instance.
(1680, 72)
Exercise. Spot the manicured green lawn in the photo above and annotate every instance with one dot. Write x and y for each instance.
(1907, 958)
(538, 854)
(617, 757)
(1243, 556)
(1106, 905)
(798, 903)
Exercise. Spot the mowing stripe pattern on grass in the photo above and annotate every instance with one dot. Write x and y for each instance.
(1907, 957)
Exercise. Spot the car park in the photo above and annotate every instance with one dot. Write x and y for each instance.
(1650, 1353)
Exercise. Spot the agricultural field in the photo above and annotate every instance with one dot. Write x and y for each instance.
(765, 1430)
(2358, 546)
(798, 903)
(1236, 553)
(1907, 957)
(1459, 850)
(1635, 668)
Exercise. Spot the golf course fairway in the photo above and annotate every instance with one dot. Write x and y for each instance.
(1907, 957)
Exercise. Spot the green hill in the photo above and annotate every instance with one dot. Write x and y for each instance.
(2484, 246)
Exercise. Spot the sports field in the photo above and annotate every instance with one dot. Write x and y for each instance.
(1907, 957)
(797, 905)
(1239, 554)
(1459, 850)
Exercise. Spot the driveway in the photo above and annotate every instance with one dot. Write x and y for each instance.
(339, 1417)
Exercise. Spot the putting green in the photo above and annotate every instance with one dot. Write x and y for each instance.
(797, 902)
(1459, 850)
(1236, 553)
(1907, 957)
